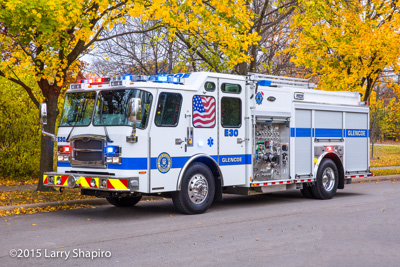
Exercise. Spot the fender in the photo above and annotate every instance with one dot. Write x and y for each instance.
(192, 159)
(321, 157)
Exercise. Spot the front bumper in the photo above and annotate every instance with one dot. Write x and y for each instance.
(103, 183)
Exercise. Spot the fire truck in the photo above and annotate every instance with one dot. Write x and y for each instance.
(196, 136)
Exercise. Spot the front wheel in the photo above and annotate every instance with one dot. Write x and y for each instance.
(197, 190)
(124, 201)
(327, 180)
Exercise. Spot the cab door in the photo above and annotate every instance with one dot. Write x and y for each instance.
(168, 140)
(232, 158)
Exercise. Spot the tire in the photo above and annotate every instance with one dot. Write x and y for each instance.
(307, 191)
(197, 190)
(327, 180)
(124, 201)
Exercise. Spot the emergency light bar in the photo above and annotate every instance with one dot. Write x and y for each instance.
(122, 80)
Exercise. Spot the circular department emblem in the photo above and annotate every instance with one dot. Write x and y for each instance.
(164, 162)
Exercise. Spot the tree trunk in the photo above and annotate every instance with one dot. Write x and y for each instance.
(242, 68)
(47, 145)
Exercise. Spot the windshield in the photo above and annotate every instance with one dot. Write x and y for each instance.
(112, 107)
(78, 109)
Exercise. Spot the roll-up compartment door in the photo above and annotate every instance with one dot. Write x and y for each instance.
(303, 134)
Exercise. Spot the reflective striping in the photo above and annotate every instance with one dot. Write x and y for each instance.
(356, 176)
(272, 183)
(303, 181)
(117, 183)
(84, 182)
(64, 180)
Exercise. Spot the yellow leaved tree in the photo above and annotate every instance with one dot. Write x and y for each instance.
(347, 44)
(45, 39)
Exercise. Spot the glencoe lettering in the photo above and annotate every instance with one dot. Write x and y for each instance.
(232, 160)
(356, 133)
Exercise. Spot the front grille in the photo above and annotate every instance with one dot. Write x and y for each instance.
(87, 156)
(90, 144)
(88, 151)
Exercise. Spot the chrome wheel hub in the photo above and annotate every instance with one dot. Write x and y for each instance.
(328, 179)
(198, 189)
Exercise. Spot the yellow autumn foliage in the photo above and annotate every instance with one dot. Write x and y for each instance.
(347, 44)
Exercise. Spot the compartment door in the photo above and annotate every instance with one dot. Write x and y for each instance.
(357, 141)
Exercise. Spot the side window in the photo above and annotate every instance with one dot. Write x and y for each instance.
(231, 110)
(231, 88)
(209, 86)
(168, 109)
(203, 111)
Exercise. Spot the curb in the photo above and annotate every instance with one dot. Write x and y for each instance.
(103, 201)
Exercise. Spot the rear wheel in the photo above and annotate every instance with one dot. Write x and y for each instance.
(327, 180)
(197, 190)
(124, 201)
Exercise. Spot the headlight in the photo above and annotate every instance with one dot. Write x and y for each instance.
(59, 180)
(93, 182)
(50, 180)
(71, 181)
(134, 183)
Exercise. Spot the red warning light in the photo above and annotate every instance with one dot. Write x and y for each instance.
(329, 148)
(67, 149)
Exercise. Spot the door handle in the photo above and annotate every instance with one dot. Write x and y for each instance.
(240, 140)
(178, 141)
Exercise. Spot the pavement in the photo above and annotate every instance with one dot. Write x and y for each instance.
(103, 201)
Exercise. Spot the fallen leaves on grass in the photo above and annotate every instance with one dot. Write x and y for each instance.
(8, 181)
(386, 156)
(11, 198)
(386, 172)
(22, 210)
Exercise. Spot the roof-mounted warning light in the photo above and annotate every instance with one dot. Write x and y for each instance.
(169, 78)
(95, 81)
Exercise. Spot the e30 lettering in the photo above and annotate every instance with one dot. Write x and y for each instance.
(61, 139)
(231, 132)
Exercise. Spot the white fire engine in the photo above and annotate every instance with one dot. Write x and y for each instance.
(194, 136)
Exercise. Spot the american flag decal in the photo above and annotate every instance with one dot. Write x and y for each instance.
(204, 111)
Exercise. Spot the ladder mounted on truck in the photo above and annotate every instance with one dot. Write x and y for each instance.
(280, 81)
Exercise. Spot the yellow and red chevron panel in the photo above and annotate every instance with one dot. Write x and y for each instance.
(64, 179)
(117, 184)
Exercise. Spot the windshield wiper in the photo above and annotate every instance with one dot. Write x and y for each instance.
(107, 137)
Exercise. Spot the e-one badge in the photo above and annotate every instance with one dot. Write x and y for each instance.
(164, 162)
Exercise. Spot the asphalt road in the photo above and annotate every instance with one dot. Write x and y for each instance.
(359, 227)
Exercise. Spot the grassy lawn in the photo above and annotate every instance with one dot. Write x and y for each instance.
(386, 156)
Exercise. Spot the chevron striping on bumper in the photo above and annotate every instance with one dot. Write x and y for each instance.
(118, 183)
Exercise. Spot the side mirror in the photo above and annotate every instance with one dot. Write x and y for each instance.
(135, 110)
(43, 120)
(43, 114)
